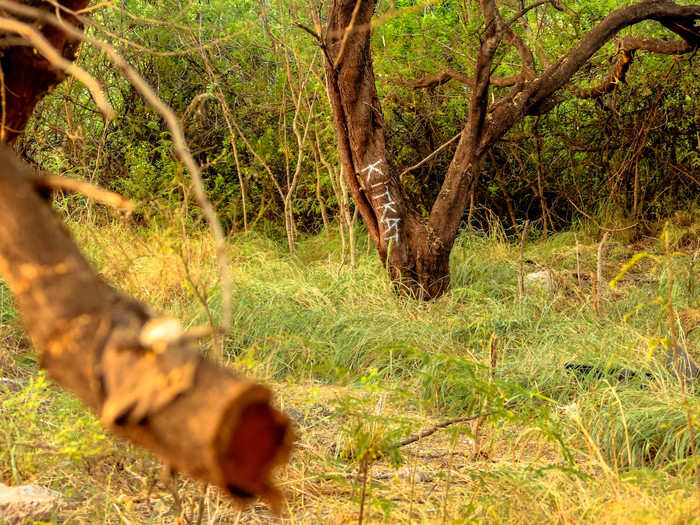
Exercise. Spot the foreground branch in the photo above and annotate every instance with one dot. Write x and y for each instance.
(49, 181)
(136, 371)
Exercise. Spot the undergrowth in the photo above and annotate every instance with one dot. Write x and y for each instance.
(359, 370)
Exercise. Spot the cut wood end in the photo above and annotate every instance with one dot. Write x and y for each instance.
(261, 441)
(254, 439)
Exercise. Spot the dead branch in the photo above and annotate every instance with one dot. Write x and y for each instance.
(527, 9)
(433, 81)
(521, 272)
(426, 159)
(134, 369)
(346, 34)
(109, 198)
(628, 46)
(599, 274)
(179, 142)
(430, 431)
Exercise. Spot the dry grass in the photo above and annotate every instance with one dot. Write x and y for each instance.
(358, 370)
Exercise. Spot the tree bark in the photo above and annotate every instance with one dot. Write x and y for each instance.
(402, 237)
(28, 76)
(416, 249)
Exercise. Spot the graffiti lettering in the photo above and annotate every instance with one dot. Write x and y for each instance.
(373, 169)
(389, 214)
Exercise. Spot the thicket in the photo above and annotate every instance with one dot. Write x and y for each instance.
(247, 80)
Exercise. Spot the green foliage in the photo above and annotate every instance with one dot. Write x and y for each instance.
(41, 426)
(590, 149)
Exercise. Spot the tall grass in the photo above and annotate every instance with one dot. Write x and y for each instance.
(363, 369)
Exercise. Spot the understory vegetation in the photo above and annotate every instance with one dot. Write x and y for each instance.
(579, 250)
(360, 370)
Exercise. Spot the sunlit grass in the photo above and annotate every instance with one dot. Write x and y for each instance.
(360, 369)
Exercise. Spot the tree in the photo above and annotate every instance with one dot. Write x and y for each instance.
(416, 249)
(137, 370)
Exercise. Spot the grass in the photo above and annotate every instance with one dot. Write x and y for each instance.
(359, 370)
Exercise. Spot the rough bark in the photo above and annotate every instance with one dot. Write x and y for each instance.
(401, 236)
(139, 372)
(28, 76)
(420, 247)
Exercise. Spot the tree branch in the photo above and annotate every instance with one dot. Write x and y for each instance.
(137, 371)
(628, 46)
(433, 81)
(677, 18)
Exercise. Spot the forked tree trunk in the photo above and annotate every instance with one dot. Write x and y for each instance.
(416, 249)
(416, 257)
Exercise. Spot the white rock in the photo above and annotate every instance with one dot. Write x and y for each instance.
(17, 504)
(542, 279)
(10, 384)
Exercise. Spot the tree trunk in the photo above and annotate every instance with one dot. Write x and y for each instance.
(418, 261)
(415, 249)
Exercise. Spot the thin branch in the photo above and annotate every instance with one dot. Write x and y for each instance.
(525, 10)
(521, 272)
(433, 81)
(350, 28)
(109, 198)
(426, 159)
(171, 120)
(430, 431)
(602, 228)
(628, 46)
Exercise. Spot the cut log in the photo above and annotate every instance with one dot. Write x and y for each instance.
(143, 378)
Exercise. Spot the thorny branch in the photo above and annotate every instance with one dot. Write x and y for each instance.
(180, 144)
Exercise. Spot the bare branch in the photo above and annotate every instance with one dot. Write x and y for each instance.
(433, 81)
(139, 372)
(110, 198)
(348, 30)
(671, 15)
(628, 47)
(527, 9)
(179, 142)
(426, 159)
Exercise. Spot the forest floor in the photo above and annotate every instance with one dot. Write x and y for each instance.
(359, 370)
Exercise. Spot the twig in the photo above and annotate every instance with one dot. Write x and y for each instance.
(525, 10)
(426, 159)
(599, 269)
(521, 273)
(608, 230)
(430, 431)
(364, 472)
(476, 424)
(578, 264)
(346, 34)
(203, 331)
(109, 198)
